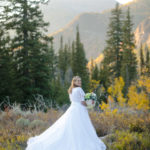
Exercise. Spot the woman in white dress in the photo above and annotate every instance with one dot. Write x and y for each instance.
(73, 130)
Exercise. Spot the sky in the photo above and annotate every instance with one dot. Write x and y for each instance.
(124, 1)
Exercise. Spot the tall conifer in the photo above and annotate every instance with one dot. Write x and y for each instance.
(30, 47)
(129, 60)
(80, 61)
(112, 52)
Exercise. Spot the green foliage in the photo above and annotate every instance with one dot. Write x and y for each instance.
(112, 53)
(129, 60)
(37, 124)
(52, 62)
(119, 57)
(59, 95)
(31, 51)
(6, 62)
(64, 58)
(104, 75)
(95, 73)
(111, 64)
(144, 60)
(79, 62)
(22, 122)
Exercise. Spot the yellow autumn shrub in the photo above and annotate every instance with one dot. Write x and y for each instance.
(144, 82)
(138, 95)
(115, 90)
(126, 140)
(93, 84)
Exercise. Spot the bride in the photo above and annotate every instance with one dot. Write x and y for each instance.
(73, 130)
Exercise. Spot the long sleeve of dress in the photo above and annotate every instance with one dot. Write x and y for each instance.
(77, 95)
(82, 94)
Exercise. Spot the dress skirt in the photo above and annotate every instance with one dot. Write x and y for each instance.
(72, 131)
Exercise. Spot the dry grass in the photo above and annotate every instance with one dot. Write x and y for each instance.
(17, 126)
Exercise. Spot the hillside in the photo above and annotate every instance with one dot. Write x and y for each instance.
(60, 12)
(93, 27)
(142, 32)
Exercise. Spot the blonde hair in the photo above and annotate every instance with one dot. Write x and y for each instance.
(73, 83)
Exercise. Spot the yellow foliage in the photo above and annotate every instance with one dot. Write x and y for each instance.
(117, 87)
(107, 109)
(121, 100)
(138, 100)
(93, 84)
(21, 138)
(115, 90)
(144, 81)
(104, 106)
(110, 99)
(115, 111)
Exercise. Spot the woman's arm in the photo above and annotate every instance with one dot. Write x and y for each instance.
(82, 94)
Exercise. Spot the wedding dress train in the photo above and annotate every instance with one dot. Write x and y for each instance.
(72, 131)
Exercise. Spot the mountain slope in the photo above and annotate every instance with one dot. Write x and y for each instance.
(142, 32)
(93, 27)
(60, 12)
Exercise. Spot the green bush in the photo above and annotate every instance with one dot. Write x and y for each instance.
(22, 122)
(37, 123)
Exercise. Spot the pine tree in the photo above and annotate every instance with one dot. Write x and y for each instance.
(30, 47)
(73, 58)
(104, 75)
(147, 61)
(147, 55)
(95, 73)
(91, 67)
(80, 62)
(53, 62)
(129, 60)
(112, 51)
(142, 61)
(63, 60)
(6, 61)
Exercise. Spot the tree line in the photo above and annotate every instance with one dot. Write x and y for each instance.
(29, 66)
(120, 53)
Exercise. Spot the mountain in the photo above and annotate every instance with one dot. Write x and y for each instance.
(93, 27)
(142, 32)
(60, 12)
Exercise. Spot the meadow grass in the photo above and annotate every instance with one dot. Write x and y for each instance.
(125, 130)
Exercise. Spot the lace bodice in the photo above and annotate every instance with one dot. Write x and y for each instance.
(77, 94)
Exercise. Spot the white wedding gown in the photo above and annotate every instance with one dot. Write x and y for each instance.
(72, 131)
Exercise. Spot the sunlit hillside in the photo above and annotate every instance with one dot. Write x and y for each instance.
(93, 27)
(60, 12)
